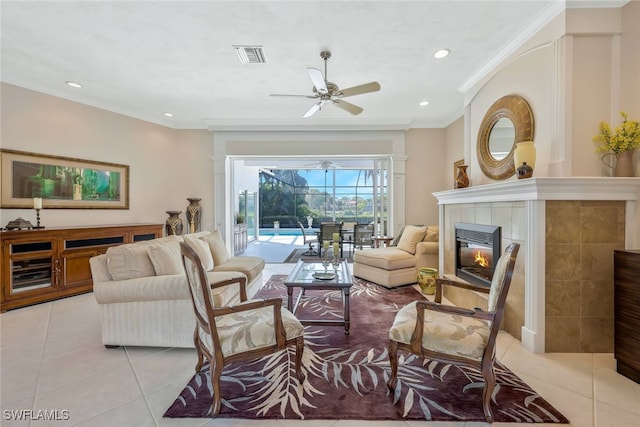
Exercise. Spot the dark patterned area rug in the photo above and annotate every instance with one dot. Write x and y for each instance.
(345, 375)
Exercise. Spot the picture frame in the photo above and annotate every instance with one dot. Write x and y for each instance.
(455, 168)
(61, 182)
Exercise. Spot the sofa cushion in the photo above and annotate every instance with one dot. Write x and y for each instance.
(217, 247)
(411, 235)
(166, 258)
(432, 235)
(129, 261)
(250, 266)
(201, 248)
(388, 258)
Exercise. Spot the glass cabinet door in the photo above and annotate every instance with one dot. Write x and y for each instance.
(32, 266)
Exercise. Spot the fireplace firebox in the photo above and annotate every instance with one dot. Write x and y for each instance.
(477, 251)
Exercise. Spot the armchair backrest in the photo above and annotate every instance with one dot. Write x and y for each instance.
(200, 293)
(502, 274)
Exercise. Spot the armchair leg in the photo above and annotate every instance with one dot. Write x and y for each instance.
(490, 382)
(216, 372)
(393, 362)
(298, 361)
(199, 354)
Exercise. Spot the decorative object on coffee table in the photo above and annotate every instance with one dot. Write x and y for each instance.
(173, 225)
(193, 215)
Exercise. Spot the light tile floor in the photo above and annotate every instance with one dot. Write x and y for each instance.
(52, 359)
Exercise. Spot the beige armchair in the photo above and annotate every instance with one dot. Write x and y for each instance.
(452, 334)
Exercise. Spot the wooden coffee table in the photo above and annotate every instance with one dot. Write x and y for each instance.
(302, 276)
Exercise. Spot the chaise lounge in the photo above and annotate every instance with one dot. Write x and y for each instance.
(398, 265)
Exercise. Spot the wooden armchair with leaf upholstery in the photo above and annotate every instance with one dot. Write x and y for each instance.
(455, 335)
(250, 329)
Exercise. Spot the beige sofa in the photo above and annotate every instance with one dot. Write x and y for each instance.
(143, 293)
(398, 265)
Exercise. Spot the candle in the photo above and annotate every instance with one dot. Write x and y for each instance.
(336, 237)
(325, 244)
(37, 203)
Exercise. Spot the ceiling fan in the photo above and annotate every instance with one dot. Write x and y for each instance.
(324, 164)
(327, 92)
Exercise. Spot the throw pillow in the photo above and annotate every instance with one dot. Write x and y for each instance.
(433, 234)
(166, 259)
(217, 247)
(129, 261)
(411, 236)
(201, 248)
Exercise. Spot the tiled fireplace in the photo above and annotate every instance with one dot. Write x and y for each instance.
(561, 297)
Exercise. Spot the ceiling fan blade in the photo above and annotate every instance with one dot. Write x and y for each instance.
(346, 106)
(296, 96)
(358, 90)
(318, 80)
(314, 109)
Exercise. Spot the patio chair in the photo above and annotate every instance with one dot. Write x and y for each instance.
(327, 230)
(308, 239)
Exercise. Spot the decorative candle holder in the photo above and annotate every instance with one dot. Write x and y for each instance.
(38, 219)
(37, 205)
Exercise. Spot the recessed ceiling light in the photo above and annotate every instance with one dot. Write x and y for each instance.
(168, 114)
(73, 84)
(441, 53)
(423, 103)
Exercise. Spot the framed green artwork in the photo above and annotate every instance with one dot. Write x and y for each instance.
(62, 182)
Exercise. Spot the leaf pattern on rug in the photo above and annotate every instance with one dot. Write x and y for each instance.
(346, 375)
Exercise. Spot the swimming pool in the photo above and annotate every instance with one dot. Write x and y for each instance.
(280, 232)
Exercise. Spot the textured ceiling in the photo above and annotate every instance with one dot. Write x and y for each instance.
(145, 58)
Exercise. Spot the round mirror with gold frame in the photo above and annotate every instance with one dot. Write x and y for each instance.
(508, 120)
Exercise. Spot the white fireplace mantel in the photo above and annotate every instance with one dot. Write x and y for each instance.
(569, 188)
(535, 192)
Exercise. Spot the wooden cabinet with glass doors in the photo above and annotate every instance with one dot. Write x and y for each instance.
(42, 265)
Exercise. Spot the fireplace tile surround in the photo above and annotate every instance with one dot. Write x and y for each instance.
(561, 297)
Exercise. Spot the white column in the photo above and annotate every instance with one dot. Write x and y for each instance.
(533, 333)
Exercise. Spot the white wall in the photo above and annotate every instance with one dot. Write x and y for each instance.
(166, 165)
(426, 173)
(582, 68)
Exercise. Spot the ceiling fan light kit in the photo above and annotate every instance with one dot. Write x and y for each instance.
(327, 92)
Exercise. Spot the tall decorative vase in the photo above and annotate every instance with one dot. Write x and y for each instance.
(525, 152)
(193, 215)
(624, 164)
(427, 280)
(173, 224)
(462, 179)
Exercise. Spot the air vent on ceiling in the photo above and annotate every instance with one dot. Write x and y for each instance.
(250, 54)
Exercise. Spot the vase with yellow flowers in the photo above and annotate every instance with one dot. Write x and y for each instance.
(620, 142)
